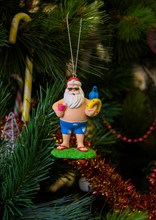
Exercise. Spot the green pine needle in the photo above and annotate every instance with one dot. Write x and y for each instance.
(4, 98)
(130, 121)
(126, 215)
(135, 23)
(65, 208)
(3, 36)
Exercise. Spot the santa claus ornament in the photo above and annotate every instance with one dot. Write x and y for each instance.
(73, 110)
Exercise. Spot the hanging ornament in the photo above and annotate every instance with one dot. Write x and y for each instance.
(10, 132)
(73, 111)
(65, 181)
(84, 184)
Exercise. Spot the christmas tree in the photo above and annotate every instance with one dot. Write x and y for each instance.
(112, 45)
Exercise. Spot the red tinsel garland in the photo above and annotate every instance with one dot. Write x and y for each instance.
(120, 194)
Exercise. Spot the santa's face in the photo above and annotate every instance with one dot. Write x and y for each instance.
(73, 96)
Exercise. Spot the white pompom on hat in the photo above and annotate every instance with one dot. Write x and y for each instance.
(73, 81)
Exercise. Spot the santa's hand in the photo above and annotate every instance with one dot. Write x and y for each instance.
(90, 112)
(93, 107)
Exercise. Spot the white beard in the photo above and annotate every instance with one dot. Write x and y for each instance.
(74, 99)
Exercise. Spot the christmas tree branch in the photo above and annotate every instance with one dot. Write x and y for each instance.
(31, 160)
(64, 208)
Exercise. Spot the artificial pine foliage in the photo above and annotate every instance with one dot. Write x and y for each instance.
(113, 41)
(127, 215)
(65, 208)
(3, 36)
(46, 35)
(131, 21)
(24, 169)
(5, 98)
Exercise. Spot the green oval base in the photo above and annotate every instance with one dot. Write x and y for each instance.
(73, 153)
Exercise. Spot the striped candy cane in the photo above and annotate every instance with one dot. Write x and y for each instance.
(14, 25)
(27, 90)
(29, 65)
(18, 101)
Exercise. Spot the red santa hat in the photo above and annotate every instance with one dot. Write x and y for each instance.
(73, 80)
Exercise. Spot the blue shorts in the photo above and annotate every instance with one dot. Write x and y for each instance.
(76, 127)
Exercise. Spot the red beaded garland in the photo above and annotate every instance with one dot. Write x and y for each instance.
(130, 140)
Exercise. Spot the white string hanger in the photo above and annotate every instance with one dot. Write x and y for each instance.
(74, 65)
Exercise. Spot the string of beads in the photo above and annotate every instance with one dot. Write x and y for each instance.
(130, 140)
